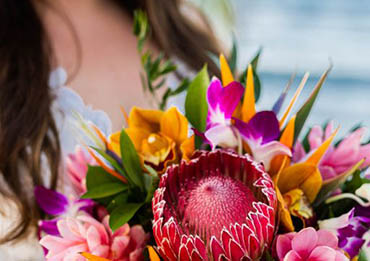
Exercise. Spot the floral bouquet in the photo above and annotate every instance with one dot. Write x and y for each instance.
(220, 182)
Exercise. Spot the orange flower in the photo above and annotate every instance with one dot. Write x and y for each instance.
(160, 138)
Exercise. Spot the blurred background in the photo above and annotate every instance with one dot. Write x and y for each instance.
(300, 36)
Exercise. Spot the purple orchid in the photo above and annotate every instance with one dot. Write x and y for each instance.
(350, 229)
(261, 134)
(222, 102)
(58, 205)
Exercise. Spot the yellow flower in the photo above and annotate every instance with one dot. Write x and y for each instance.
(160, 138)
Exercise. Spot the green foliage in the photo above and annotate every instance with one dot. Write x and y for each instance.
(105, 190)
(362, 256)
(126, 202)
(256, 79)
(155, 67)
(305, 110)
(123, 214)
(356, 182)
(196, 106)
(131, 161)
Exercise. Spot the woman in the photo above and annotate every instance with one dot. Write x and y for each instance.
(90, 43)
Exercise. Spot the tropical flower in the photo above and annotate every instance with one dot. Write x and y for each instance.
(218, 205)
(159, 137)
(58, 205)
(77, 164)
(260, 133)
(85, 234)
(309, 245)
(222, 102)
(338, 159)
(350, 229)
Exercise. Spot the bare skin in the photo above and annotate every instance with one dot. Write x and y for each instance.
(108, 74)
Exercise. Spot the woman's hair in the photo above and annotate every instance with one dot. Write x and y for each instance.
(27, 128)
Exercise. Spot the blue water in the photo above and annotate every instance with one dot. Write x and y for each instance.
(302, 36)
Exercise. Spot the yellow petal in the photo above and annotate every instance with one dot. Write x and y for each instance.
(187, 148)
(226, 74)
(125, 115)
(137, 136)
(316, 156)
(249, 106)
(91, 257)
(114, 143)
(145, 119)
(284, 214)
(294, 99)
(295, 175)
(153, 256)
(287, 138)
(298, 204)
(312, 185)
(174, 125)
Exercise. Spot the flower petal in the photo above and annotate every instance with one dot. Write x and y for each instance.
(174, 125)
(52, 202)
(304, 242)
(249, 103)
(292, 256)
(327, 238)
(145, 119)
(322, 253)
(265, 125)
(226, 74)
(283, 246)
(268, 151)
(221, 135)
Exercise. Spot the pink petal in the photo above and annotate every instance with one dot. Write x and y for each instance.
(93, 238)
(304, 242)
(322, 253)
(292, 256)
(119, 245)
(365, 153)
(340, 256)
(299, 152)
(55, 244)
(315, 137)
(136, 255)
(327, 238)
(68, 228)
(138, 235)
(283, 245)
(329, 130)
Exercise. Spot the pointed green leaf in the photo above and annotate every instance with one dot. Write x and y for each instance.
(332, 184)
(97, 175)
(131, 161)
(305, 110)
(118, 200)
(196, 106)
(116, 165)
(123, 214)
(105, 190)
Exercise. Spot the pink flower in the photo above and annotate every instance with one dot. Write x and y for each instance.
(309, 245)
(86, 234)
(218, 206)
(77, 165)
(337, 159)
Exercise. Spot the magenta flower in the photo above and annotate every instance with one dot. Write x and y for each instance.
(337, 159)
(86, 234)
(77, 165)
(58, 205)
(309, 245)
(222, 102)
(217, 206)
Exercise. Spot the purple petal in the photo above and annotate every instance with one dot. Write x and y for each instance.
(245, 130)
(277, 106)
(86, 205)
(266, 125)
(352, 245)
(51, 202)
(49, 227)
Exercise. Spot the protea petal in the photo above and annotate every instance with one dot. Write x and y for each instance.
(217, 206)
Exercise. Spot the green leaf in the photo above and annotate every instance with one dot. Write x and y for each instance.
(233, 61)
(97, 175)
(116, 165)
(356, 182)
(255, 59)
(131, 161)
(151, 184)
(105, 190)
(123, 214)
(305, 110)
(196, 107)
(118, 200)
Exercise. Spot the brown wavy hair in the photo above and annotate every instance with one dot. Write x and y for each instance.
(27, 127)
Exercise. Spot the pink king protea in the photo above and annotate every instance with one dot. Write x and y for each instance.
(218, 206)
